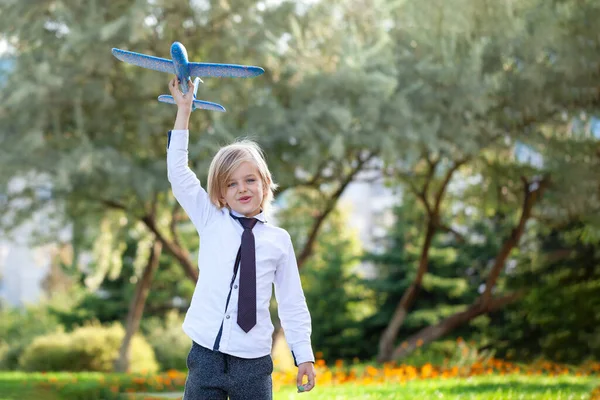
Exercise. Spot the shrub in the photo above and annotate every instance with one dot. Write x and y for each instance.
(89, 348)
(448, 353)
(19, 328)
(171, 345)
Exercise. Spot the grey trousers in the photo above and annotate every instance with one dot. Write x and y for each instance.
(218, 376)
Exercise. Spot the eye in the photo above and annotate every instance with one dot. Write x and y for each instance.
(231, 184)
(251, 180)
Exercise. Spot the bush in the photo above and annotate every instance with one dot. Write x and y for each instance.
(171, 345)
(18, 329)
(88, 348)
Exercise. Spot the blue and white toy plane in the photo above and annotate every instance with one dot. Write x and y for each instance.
(183, 69)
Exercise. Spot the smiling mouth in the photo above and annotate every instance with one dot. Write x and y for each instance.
(244, 199)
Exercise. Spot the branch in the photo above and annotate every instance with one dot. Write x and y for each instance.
(430, 173)
(407, 179)
(440, 195)
(154, 205)
(459, 236)
(113, 204)
(173, 223)
(173, 247)
(315, 181)
(175, 250)
(445, 326)
(330, 206)
(533, 192)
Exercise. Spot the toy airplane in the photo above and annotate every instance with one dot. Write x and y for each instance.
(183, 69)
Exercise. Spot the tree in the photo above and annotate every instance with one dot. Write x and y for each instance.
(456, 268)
(467, 88)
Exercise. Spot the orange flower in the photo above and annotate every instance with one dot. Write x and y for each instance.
(426, 371)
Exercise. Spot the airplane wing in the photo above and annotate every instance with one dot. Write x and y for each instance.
(145, 61)
(224, 70)
(198, 104)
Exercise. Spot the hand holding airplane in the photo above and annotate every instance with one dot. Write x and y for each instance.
(183, 69)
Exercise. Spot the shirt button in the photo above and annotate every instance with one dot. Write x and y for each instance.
(235, 287)
(227, 317)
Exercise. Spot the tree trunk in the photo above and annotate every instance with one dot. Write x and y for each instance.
(136, 307)
(386, 343)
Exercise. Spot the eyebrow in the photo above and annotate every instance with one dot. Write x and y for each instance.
(244, 177)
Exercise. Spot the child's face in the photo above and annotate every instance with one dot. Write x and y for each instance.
(244, 191)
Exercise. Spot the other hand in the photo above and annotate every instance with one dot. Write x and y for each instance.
(306, 369)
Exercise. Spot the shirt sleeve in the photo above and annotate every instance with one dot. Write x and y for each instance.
(185, 184)
(292, 308)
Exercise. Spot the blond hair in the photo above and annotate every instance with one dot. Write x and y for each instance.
(227, 160)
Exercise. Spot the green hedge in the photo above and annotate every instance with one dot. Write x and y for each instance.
(171, 345)
(88, 348)
(18, 329)
(17, 385)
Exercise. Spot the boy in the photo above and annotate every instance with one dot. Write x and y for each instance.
(241, 256)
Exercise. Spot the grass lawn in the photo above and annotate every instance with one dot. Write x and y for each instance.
(475, 388)
(511, 387)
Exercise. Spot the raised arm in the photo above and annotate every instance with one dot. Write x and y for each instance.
(184, 183)
(184, 103)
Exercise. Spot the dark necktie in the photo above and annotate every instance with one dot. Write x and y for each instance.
(247, 295)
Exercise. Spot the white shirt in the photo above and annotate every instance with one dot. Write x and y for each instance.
(220, 238)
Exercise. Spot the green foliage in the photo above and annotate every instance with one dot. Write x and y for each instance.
(558, 319)
(330, 278)
(19, 328)
(395, 267)
(110, 300)
(170, 344)
(88, 348)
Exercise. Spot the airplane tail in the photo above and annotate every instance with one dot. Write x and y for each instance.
(198, 104)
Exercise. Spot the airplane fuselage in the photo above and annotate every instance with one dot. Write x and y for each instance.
(180, 62)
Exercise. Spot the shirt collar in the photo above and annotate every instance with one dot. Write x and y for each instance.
(261, 216)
